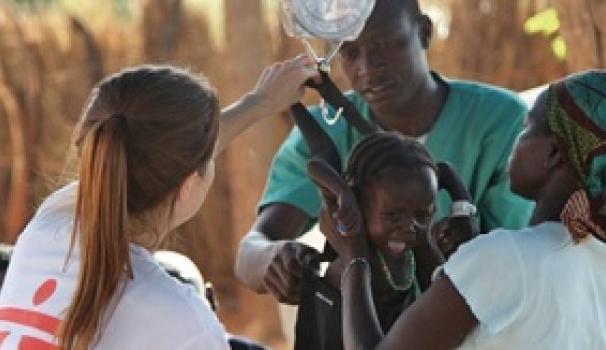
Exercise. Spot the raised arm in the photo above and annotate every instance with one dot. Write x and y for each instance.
(439, 319)
(279, 86)
(447, 234)
(268, 261)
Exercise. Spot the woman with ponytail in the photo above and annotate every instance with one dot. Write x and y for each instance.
(82, 274)
(543, 287)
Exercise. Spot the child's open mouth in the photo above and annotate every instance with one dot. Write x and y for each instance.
(395, 247)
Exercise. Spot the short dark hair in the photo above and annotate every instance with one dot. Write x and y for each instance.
(410, 7)
(394, 9)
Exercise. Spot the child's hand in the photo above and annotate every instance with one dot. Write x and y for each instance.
(449, 233)
(337, 196)
(349, 218)
(348, 244)
(343, 209)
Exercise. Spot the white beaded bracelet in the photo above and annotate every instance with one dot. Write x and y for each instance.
(352, 263)
(463, 209)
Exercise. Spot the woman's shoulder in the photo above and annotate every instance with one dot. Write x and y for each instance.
(45, 239)
(54, 218)
(170, 310)
(545, 234)
(63, 198)
(172, 299)
(498, 240)
(531, 241)
(504, 251)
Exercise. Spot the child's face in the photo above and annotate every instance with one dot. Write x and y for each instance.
(398, 207)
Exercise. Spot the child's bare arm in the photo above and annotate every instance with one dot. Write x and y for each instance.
(453, 230)
(448, 233)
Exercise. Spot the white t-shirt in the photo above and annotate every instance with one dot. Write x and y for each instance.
(533, 289)
(155, 311)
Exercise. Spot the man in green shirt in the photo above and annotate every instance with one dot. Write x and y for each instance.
(471, 125)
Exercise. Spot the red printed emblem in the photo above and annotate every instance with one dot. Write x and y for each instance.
(33, 319)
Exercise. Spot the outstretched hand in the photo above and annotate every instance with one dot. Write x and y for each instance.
(279, 87)
(281, 84)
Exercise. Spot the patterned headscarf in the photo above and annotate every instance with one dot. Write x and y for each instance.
(576, 111)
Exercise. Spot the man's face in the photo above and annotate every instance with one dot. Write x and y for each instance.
(387, 63)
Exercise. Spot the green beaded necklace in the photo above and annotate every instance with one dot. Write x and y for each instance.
(410, 278)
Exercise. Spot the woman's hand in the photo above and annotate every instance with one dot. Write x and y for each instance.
(281, 84)
(279, 87)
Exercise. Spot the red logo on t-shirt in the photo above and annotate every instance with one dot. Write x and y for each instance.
(33, 319)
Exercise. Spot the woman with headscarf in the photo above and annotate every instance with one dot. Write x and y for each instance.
(542, 287)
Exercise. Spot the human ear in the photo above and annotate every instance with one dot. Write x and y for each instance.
(555, 157)
(187, 186)
(425, 31)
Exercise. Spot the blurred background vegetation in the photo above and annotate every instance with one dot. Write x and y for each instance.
(53, 51)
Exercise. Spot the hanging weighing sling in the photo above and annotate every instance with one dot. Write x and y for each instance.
(319, 317)
(318, 324)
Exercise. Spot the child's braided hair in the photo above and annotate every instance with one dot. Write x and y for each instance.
(381, 151)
